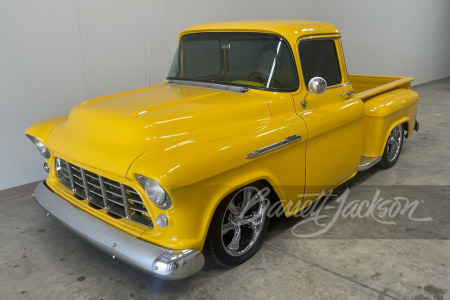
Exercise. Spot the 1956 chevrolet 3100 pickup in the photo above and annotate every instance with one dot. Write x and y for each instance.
(160, 175)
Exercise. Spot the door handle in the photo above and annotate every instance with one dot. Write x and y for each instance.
(347, 93)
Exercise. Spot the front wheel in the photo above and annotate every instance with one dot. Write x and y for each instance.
(393, 147)
(238, 226)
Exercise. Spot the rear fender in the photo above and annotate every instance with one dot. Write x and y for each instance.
(383, 113)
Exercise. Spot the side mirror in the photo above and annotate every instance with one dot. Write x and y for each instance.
(317, 85)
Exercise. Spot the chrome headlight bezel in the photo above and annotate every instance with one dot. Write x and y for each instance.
(43, 150)
(156, 193)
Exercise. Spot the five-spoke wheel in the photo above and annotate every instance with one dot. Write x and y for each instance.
(242, 221)
(238, 226)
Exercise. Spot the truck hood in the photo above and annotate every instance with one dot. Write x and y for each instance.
(109, 133)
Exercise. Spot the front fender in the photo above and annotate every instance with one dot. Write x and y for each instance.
(194, 205)
(199, 174)
(43, 129)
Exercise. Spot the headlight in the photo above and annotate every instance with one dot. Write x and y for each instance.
(40, 146)
(155, 192)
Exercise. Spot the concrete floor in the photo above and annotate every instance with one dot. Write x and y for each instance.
(358, 258)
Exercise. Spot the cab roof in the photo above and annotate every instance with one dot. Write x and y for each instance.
(289, 29)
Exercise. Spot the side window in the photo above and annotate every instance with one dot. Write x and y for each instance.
(319, 58)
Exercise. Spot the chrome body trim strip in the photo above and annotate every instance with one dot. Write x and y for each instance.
(338, 86)
(150, 258)
(368, 162)
(331, 36)
(207, 85)
(287, 141)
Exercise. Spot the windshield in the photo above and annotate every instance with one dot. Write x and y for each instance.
(254, 60)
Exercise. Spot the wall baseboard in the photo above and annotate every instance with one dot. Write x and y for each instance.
(429, 82)
(18, 190)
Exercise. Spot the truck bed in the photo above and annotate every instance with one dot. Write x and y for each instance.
(368, 86)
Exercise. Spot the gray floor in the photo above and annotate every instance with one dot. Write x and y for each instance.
(357, 258)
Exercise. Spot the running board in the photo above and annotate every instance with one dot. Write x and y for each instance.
(368, 162)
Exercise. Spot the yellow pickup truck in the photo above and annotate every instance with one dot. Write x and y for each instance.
(158, 176)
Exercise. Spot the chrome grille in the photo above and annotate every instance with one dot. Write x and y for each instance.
(121, 201)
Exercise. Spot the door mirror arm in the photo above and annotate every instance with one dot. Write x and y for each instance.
(317, 85)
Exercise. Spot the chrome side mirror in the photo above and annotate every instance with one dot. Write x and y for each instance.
(317, 85)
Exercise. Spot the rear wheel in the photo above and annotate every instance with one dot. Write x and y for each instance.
(393, 147)
(238, 226)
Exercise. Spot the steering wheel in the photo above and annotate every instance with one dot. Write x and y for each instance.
(263, 77)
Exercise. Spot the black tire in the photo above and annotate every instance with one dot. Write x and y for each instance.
(217, 246)
(393, 147)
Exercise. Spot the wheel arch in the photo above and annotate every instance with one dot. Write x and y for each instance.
(401, 121)
(218, 244)
(266, 180)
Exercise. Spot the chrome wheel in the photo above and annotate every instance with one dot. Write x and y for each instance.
(394, 143)
(243, 221)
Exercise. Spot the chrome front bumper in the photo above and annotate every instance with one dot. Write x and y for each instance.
(160, 262)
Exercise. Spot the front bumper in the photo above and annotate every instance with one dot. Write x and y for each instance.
(160, 262)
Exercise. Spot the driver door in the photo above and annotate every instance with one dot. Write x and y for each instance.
(334, 119)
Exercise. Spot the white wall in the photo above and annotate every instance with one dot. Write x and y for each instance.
(57, 53)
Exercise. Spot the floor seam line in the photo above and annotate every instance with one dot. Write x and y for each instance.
(332, 272)
(9, 198)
